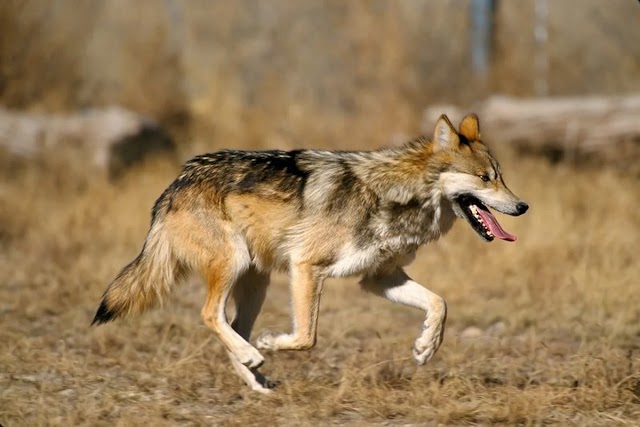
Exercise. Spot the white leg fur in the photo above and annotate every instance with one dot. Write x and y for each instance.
(398, 287)
(244, 352)
(254, 379)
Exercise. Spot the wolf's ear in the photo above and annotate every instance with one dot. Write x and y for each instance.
(445, 135)
(470, 127)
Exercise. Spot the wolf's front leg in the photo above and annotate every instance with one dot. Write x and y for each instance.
(306, 287)
(396, 286)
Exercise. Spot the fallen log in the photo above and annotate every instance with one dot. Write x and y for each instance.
(580, 129)
(109, 140)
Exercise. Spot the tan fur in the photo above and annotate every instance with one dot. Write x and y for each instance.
(235, 216)
(470, 127)
(264, 223)
(147, 279)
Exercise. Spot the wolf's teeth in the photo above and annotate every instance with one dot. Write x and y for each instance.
(474, 211)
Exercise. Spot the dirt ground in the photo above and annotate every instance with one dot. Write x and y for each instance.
(545, 330)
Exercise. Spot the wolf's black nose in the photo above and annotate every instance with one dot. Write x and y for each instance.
(521, 208)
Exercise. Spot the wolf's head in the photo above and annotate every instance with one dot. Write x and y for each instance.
(470, 178)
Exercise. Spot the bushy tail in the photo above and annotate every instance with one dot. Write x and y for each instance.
(147, 280)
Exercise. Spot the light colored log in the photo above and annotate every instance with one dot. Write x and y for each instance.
(110, 139)
(574, 126)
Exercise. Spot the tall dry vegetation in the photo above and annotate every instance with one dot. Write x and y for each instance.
(206, 68)
(64, 56)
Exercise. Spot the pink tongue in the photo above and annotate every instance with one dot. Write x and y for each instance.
(494, 226)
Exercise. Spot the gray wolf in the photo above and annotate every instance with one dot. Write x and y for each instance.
(234, 216)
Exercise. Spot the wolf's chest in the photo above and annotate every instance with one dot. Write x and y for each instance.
(394, 238)
(354, 260)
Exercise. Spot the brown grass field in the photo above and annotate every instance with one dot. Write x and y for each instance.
(542, 331)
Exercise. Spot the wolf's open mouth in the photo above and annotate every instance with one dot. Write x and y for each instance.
(482, 220)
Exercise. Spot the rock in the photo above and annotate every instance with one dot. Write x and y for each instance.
(497, 329)
(471, 332)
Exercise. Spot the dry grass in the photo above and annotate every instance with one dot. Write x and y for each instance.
(545, 330)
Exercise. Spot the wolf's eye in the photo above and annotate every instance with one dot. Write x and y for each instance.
(485, 178)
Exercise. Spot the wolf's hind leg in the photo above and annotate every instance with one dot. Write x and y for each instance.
(254, 379)
(221, 278)
(306, 287)
(398, 287)
(248, 294)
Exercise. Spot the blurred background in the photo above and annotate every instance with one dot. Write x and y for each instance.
(291, 73)
(100, 102)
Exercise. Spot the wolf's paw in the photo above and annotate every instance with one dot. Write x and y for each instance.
(263, 384)
(422, 356)
(266, 383)
(425, 347)
(269, 341)
(263, 390)
(251, 358)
